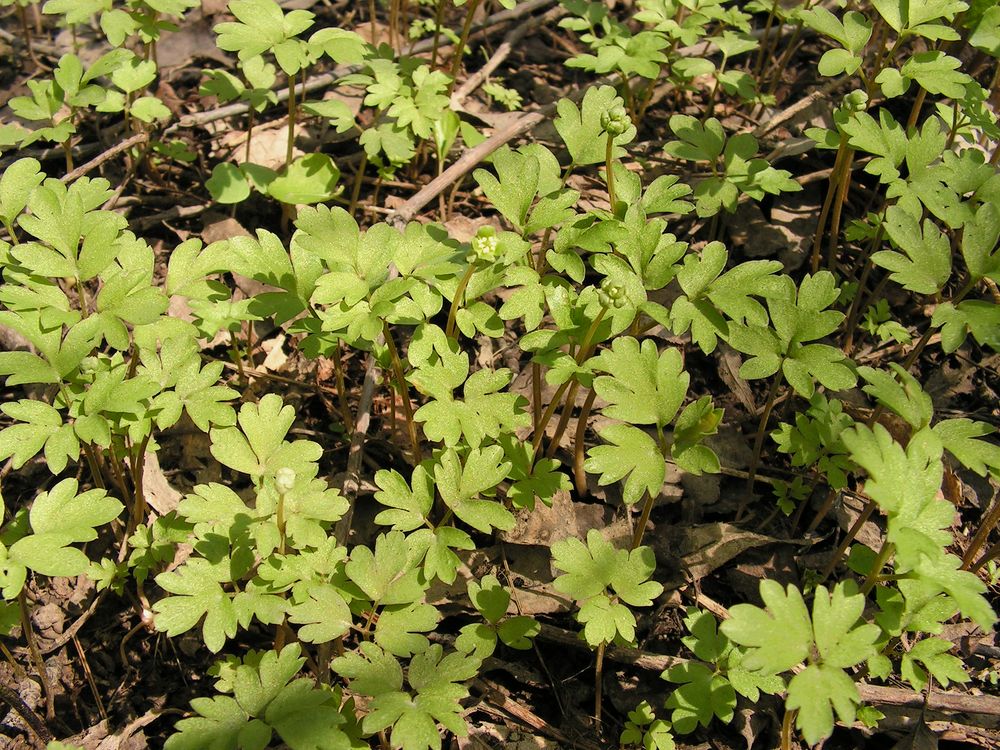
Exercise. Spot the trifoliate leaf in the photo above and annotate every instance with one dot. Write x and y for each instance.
(703, 696)
(643, 386)
(933, 654)
(778, 638)
(631, 453)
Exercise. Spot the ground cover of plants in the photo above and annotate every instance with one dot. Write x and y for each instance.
(499, 373)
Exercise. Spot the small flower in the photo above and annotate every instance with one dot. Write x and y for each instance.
(284, 479)
(611, 294)
(615, 121)
(484, 246)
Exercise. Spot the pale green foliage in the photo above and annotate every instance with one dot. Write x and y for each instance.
(267, 698)
(829, 641)
(603, 580)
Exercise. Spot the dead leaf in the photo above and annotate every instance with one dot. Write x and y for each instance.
(546, 525)
(921, 738)
(848, 510)
(216, 227)
(160, 496)
(699, 550)
(276, 357)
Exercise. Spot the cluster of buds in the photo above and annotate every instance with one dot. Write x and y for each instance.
(284, 480)
(611, 294)
(484, 246)
(615, 121)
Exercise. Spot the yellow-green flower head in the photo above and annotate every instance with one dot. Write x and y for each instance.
(615, 121)
(484, 246)
(611, 294)
(284, 479)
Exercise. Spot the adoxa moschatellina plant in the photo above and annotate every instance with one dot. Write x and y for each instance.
(580, 287)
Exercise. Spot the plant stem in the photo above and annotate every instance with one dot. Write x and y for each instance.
(827, 202)
(866, 513)
(758, 444)
(640, 529)
(884, 553)
(15, 701)
(765, 41)
(356, 189)
(599, 682)
(338, 372)
(786, 729)
(456, 64)
(249, 133)
(987, 525)
(582, 354)
(291, 119)
(844, 185)
(457, 300)
(279, 520)
(579, 475)
(36, 656)
(567, 410)
(610, 174)
(397, 367)
(371, 19)
(438, 20)
(536, 395)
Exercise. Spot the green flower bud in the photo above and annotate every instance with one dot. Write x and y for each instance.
(284, 479)
(615, 121)
(484, 246)
(611, 294)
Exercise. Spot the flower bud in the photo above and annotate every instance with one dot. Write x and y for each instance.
(484, 246)
(615, 121)
(611, 294)
(284, 479)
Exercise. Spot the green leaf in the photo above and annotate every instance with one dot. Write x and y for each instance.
(227, 184)
(704, 695)
(410, 507)
(388, 576)
(631, 453)
(960, 439)
(699, 142)
(308, 179)
(40, 426)
(324, 615)
(16, 184)
(461, 486)
(815, 693)
(261, 27)
(936, 72)
(581, 130)
(643, 386)
(979, 242)
(591, 570)
(884, 139)
(398, 629)
(778, 638)
(370, 669)
(260, 449)
(924, 265)
(59, 518)
(933, 654)
(197, 593)
(978, 317)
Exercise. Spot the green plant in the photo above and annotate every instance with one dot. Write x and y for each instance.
(611, 287)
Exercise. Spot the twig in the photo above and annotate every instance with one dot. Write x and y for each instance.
(502, 52)
(495, 697)
(105, 156)
(13, 700)
(73, 629)
(326, 79)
